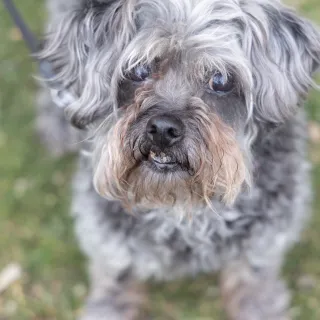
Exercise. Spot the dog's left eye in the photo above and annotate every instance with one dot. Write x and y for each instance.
(140, 73)
(220, 83)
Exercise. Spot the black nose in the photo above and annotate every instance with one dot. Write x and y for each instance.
(165, 130)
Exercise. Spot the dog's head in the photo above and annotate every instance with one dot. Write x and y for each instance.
(177, 89)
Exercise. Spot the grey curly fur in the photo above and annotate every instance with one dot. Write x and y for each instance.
(260, 139)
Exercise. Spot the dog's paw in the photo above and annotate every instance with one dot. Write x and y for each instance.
(254, 294)
(259, 303)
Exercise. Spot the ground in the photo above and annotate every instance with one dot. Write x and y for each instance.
(35, 229)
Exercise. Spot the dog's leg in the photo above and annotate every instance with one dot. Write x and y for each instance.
(253, 294)
(113, 299)
(114, 293)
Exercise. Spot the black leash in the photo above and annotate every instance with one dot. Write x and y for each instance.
(28, 36)
(60, 95)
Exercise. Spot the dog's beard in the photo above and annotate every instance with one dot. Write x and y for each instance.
(210, 163)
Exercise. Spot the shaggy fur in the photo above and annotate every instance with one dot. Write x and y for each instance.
(232, 192)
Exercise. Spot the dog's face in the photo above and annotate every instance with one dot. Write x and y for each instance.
(179, 88)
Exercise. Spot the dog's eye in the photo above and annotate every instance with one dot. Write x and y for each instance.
(220, 83)
(140, 73)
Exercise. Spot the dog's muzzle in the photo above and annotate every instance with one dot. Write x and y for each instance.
(164, 131)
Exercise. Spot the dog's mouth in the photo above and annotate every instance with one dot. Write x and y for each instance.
(163, 162)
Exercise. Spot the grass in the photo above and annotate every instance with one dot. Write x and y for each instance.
(36, 231)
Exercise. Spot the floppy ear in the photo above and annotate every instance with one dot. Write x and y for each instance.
(284, 50)
(83, 45)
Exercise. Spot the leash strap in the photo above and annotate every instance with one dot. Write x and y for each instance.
(27, 35)
(60, 96)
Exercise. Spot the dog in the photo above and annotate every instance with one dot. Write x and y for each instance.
(194, 144)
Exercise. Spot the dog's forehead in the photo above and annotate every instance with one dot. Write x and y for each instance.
(200, 30)
(188, 16)
(195, 37)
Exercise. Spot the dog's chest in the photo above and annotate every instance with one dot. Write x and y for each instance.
(167, 247)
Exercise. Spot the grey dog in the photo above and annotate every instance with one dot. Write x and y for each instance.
(194, 152)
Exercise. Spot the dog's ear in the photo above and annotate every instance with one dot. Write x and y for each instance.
(83, 46)
(284, 50)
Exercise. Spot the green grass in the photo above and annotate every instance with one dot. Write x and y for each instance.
(36, 231)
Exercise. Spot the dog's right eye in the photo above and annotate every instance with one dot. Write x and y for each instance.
(140, 73)
(220, 83)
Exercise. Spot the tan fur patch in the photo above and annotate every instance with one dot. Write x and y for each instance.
(218, 166)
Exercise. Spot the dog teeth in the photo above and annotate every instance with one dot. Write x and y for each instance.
(161, 158)
(152, 155)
